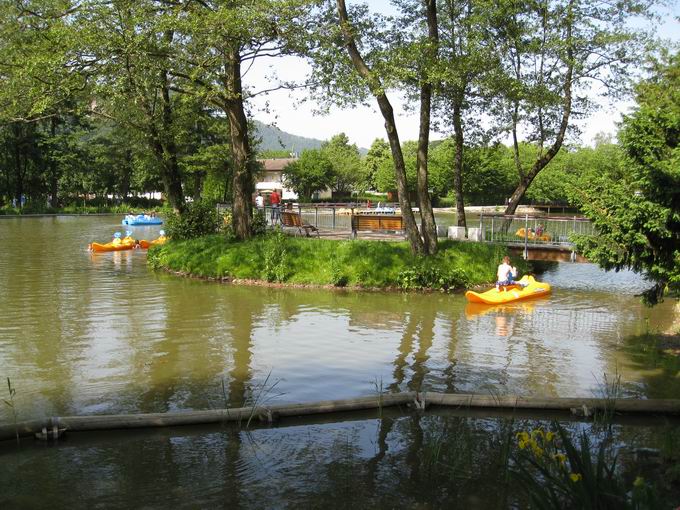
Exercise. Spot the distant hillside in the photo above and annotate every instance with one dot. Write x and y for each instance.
(275, 139)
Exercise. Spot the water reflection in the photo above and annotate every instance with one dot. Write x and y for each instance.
(422, 461)
(102, 334)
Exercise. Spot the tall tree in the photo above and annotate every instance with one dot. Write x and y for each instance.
(311, 173)
(346, 162)
(218, 38)
(431, 54)
(468, 60)
(124, 46)
(554, 51)
(636, 208)
(374, 83)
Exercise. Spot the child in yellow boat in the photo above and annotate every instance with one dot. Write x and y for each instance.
(505, 273)
(116, 239)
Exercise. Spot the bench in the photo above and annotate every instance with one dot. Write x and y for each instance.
(293, 219)
(376, 223)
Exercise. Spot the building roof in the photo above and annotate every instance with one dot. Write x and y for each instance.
(275, 165)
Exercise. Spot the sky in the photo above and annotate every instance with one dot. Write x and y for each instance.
(363, 125)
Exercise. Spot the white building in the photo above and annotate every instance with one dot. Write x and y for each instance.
(271, 178)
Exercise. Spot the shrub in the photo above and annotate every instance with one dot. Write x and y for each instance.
(198, 219)
(429, 277)
(275, 255)
(259, 225)
(338, 277)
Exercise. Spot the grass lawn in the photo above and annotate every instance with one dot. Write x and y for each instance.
(309, 261)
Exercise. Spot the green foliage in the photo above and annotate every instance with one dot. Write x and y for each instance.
(636, 208)
(346, 163)
(196, 220)
(275, 258)
(338, 276)
(259, 223)
(311, 173)
(323, 261)
(377, 155)
(556, 473)
(427, 276)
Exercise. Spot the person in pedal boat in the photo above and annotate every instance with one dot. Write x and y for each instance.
(506, 274)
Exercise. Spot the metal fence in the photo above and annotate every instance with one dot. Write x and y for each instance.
(518, 229)
(326, 216)
(533, 230)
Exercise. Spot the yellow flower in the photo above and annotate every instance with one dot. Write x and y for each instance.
(560, 457)
(537, 433)
(538, 451)
(639, 482)
(549, 436)
(575, 477)
(522, 439)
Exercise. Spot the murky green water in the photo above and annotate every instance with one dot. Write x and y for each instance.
(85, 334)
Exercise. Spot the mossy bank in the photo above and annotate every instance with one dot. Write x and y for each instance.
(282, 259)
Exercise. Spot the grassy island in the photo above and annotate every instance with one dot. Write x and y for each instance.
(279, 258)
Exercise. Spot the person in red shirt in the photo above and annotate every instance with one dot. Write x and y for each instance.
(275, 201)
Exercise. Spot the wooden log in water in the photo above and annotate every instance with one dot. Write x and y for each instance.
(584, 406)
(580, 405)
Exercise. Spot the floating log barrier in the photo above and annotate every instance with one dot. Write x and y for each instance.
(581, 406)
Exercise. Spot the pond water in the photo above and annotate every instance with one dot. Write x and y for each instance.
(85, 333)
(99, 333)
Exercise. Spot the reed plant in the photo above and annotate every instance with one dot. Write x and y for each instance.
(9, 402)
(557, 472)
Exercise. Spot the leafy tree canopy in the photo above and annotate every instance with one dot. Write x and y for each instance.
(311, 173)
(636, 209)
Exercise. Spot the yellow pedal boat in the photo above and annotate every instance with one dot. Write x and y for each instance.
(532, 236)
(527, 287)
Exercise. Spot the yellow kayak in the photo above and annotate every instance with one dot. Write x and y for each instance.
(527, 287)
(144, 244)
(97, 247)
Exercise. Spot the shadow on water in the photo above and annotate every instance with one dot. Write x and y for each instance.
(442, 458)
(657, 358)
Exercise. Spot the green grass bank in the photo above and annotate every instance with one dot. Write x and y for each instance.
(278, 258)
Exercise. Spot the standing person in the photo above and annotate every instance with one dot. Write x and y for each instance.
(275, 200)
(259, 201)
(505, 273)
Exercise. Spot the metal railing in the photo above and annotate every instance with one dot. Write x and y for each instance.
(325, 216)
(533, 230)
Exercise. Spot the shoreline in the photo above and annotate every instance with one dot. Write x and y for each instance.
(252, 282)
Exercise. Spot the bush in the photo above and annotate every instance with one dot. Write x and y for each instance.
(275, 255)
(259, 225)
(198, 219)
(430, 277)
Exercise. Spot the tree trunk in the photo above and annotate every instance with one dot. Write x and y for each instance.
(242, 181)
(545, 158)
(127, 174)
(377, 90)
(54, 176)
(428, 225)
(458, 162)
